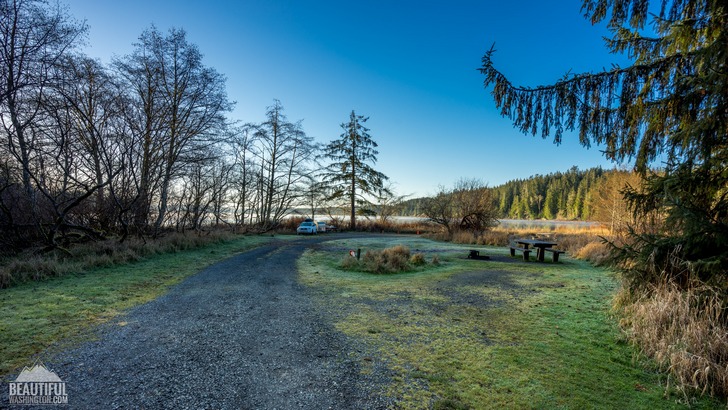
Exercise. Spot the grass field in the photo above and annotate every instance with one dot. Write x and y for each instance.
(489, 334)
(458, 334)
(45, 316)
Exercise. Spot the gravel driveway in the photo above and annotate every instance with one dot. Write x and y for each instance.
(242, 334)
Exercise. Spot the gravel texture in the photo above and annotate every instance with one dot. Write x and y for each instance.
(242, 334)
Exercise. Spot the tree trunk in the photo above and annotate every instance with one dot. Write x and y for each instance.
(353, 179)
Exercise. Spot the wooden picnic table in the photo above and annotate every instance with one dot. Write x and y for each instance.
(539, 244)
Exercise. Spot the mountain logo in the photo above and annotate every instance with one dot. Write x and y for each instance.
(38, 373)
(37, 385)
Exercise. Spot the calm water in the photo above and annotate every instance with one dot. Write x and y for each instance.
(518, 223)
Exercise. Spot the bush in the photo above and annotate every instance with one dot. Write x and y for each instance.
(418, 259)
(574, 242)
(349, 263)
(389, 260)
(290, 224)
(494, 238)
(684, 330)
(595, 252)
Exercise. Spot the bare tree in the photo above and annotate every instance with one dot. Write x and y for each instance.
(144, 114)
(315, 194)
(387, 204)
(33, 38)
(468, 206)
(283, 152)
(221, 180)
(195, 101)
(181, 112)
(65, 175)
(439, 209)
(244, 172)
(89, 96)
(474, 206)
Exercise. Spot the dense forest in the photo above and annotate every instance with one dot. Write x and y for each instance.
(575, 194)
(560, 195)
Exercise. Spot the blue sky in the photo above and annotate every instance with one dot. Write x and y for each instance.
(409, 66)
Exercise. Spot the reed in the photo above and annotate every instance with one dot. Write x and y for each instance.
(684, 330)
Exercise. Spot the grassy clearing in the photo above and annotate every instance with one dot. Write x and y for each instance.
(36, 316)
(489, 334)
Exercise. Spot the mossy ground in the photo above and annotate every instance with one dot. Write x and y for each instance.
(489, 334)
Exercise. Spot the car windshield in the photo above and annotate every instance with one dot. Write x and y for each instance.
(307, 224)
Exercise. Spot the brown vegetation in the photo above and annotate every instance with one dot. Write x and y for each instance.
(81, 257)
(684, 330)
(390, 260)
(583, 243)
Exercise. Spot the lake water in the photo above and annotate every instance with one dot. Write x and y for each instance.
(514, 223)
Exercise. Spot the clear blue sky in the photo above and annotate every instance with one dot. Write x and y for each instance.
(409, 66)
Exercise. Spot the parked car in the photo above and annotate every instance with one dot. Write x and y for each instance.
(321, 226)
(307, 227)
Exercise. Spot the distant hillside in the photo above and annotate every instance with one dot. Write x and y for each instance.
(559, 195)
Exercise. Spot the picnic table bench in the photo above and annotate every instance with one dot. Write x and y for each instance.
(475, 254)
(525, 251)
(541, 246)
(556, 253)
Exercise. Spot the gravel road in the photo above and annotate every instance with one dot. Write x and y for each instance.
(242, 334)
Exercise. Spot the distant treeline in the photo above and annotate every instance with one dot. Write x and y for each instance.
(571, 195)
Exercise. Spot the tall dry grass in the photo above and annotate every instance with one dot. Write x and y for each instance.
(684, 330)
(390, 260)
(598, 253)
(583, 242)
(34, 267)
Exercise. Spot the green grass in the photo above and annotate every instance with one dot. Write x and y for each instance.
(52, 314)
(535, 336)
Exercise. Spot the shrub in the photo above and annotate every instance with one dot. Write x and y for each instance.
(684, 330)
(574, 242)
(494, 238)
(464, 237)
(595, 252)
(417, 259)
(389, 260)
(349, 263)
(290, 224)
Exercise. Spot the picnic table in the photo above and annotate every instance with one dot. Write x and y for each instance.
(541, 246)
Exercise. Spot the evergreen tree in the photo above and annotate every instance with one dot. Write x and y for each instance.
(349, 173)
(672, 101)
(550, 207)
